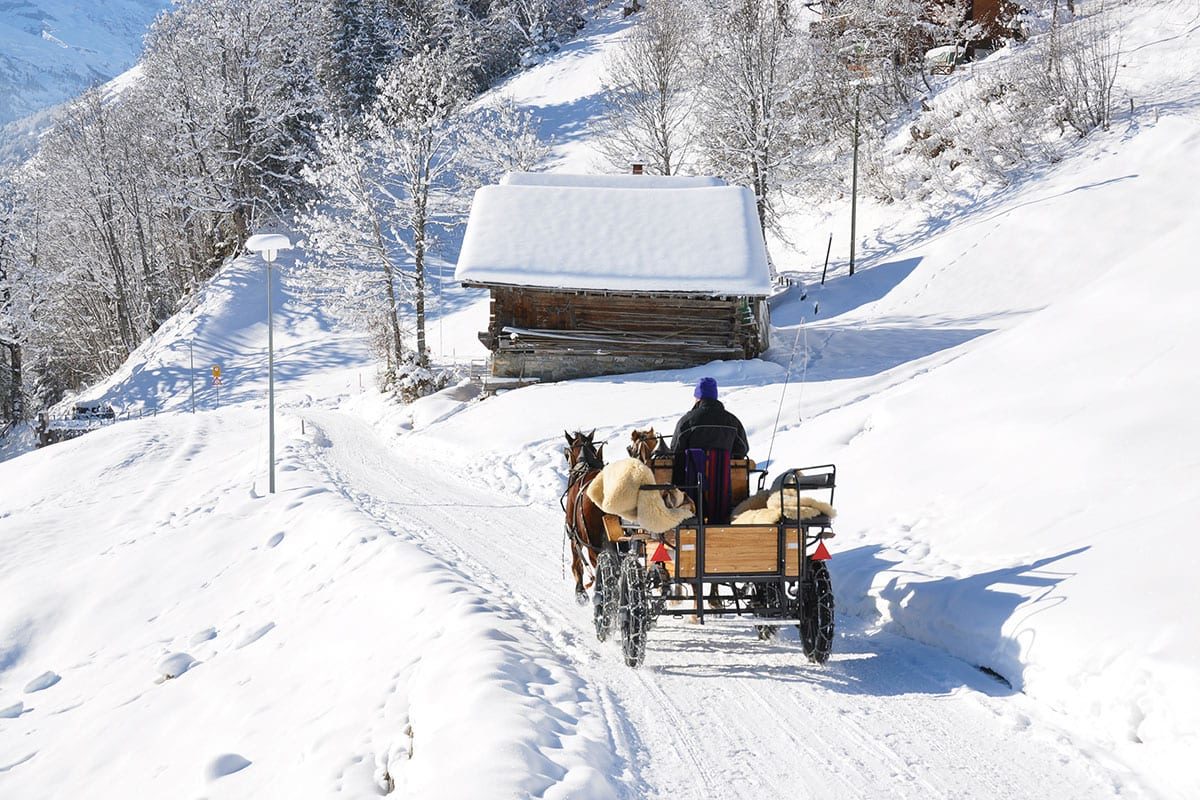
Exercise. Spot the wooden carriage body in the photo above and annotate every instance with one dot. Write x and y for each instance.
(760, 565)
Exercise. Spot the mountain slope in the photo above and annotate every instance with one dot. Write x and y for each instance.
(51, 50)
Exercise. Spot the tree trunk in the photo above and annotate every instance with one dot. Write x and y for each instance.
(394, 317)
(14, 406)
(419, 226)
(16, 390)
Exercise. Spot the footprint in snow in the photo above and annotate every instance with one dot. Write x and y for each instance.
(254, 635)
(226, 764)
(13, 711)
(175, 665)
(274, 540)
(203, 636)
(43, 681)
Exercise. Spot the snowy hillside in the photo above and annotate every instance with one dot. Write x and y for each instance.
(51, 50)
(1006, 394)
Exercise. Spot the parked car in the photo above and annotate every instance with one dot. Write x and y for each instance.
(94, 411)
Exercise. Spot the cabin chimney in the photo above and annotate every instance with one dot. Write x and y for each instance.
(638, 168)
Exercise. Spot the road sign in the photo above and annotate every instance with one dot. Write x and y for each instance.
(216, 373)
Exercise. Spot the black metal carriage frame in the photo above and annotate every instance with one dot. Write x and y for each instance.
(781, 595)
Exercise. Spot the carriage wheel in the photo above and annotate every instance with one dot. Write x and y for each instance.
(604, 598)
(633, 612)
(768, 594)
(658, 583)
(816, 613)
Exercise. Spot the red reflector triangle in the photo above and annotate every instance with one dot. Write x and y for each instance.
(660, 554)
(821, 553)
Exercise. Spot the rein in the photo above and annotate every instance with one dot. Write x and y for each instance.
(585, 464)
(581, 475)
(583, 479)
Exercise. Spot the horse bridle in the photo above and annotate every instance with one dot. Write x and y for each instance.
(587, 461)
(643, 448)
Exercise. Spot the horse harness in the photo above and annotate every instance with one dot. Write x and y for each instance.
(578, 476)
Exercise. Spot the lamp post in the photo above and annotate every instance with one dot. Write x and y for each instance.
(192, 371)
(268, 246)
(854, 175)
(861, 72)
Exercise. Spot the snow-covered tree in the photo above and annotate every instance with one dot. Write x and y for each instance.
(414, 123)
(14, 311)
(363, 37)
(650, 91)
(754, 77)
(354, 260)
(541, 25)
(140, 195)
(236, 77)
(498, 138)
(383, 188)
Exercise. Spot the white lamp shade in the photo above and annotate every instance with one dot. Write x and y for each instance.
(268, 244)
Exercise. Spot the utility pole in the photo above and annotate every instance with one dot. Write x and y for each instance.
(854, 176)
(192, 371)
(828, 247)
(268, 257)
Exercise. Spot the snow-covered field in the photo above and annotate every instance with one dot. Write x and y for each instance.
(1007, 396)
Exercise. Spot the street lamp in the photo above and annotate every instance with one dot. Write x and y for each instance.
(268, 246)
(854, 175)
(861, 72)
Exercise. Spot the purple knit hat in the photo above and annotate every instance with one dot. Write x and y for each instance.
(706, 389)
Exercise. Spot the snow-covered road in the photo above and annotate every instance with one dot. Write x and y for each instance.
(714, 708)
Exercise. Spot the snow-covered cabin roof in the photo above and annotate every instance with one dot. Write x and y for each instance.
(623, 181)
(701, 240)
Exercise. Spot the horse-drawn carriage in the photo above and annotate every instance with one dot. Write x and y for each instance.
(771, 570)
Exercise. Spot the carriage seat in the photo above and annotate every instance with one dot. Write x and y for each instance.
(739, 475)
(739, 469)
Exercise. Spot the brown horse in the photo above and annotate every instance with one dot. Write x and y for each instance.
(644, 445)
(584, 521)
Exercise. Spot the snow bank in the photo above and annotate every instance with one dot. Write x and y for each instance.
(281, 645)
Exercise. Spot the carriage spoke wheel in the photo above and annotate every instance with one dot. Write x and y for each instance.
(604, 598)
(768, 595)
(658, 582)
(816, 613)
(633, 611)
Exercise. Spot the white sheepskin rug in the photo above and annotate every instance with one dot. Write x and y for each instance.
(766, 508)
(617, 490)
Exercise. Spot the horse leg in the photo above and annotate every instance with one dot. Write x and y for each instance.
(597, 539)
(581, 596)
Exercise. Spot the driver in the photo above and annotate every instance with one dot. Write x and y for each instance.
(710, 428)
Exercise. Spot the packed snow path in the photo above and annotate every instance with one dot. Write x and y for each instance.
(714, 708)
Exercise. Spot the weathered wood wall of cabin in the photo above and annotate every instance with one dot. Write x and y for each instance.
(580, 334)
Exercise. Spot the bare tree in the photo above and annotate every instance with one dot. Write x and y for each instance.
(414, 123)
(498, 138)
(381, 192)
(650, 88)
(1082, 59)
(754, 78)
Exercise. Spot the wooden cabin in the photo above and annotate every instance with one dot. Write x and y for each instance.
(600, 275)
(996, 18)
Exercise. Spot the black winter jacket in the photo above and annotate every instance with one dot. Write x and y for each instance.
(710, 427)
